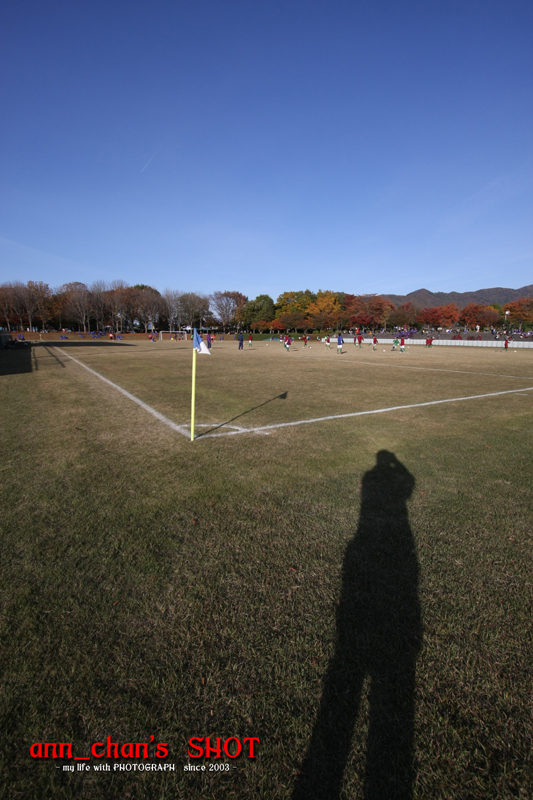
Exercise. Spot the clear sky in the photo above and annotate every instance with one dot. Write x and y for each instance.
(268, 145)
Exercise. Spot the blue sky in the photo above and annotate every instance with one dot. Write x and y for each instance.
(264, 146)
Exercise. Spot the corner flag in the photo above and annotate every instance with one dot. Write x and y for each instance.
(198, 346)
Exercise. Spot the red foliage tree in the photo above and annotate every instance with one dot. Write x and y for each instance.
(438, 315)
(520, 311)
(276, 325)
(368, 310)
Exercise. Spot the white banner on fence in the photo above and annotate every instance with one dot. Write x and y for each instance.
(452, 342)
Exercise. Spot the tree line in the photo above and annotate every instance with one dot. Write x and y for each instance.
(119, 307)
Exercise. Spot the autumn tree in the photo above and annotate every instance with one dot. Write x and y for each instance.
(18, 302)
(403, 316)
(115, 301)
(171, 303)
(429, 317)
(58, 305)
(294, 320)
(224, 305)
(449, 314)
(380, 308)
(489, 316)
(241, 301)
(193, 308)
(6, 304)
(77, 303)
(520, 311)
(439, 316)
(369, 310)
(325, 311)
(30, 298)
(343, 320)
(470, 314)
(149, 306)
(475, 314)
(261, 325)
(228, 308)
(42, 297)
(98, 291)
(276, 325)
(294, 302)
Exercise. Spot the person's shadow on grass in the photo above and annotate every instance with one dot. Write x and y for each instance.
(379, 634)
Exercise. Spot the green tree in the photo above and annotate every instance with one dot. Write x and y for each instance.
(262, 308)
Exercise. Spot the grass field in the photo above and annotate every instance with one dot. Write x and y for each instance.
(356, 592)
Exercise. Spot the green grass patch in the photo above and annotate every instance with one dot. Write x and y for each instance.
(360, 615)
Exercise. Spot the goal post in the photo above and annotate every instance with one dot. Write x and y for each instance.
(177, 336)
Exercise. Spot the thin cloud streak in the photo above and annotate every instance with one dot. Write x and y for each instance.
(150, 159)
(500, 190)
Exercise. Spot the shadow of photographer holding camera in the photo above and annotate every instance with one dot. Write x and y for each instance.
(379, 634)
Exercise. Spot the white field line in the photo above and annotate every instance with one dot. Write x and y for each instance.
(179, 428)
(266, 428)
(437, 369)
(226, 425)
(349, 360)
(185, 431)
(423, 368)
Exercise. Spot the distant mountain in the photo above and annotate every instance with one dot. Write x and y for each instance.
(423, 298)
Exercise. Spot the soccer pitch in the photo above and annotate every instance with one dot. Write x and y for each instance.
(338, 566)
(317, 385)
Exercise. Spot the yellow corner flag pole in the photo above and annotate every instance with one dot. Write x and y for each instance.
(193, 393)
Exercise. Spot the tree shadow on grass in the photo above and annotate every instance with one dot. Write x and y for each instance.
(282, 396)
(53, 355)
(379, 634)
